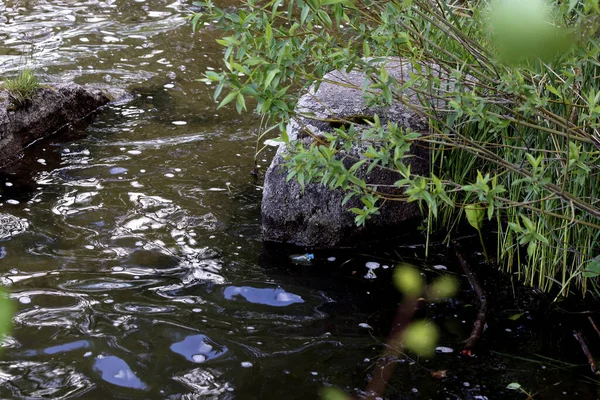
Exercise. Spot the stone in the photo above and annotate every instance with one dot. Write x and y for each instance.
(51, 108)
(316, 217)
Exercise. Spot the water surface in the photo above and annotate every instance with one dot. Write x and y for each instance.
(142, 273)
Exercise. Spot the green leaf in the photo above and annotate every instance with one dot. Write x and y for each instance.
(304, 13)
(515, 317)
(268, 32)
(593, 268)
(270, 76)
(528, 224)
(195, 20)
(474, 215)
(347, 198)
(553, 90)
(366, 49)
(514, 386)
(254, 61)
(240, 103)
(228, 99)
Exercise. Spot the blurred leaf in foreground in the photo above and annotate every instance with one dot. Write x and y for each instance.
(524, 31)
(408, 280)
(421, 337)
(331, 393)
(6, 313)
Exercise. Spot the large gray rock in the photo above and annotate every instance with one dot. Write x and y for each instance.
(50, 109)
(316, 216)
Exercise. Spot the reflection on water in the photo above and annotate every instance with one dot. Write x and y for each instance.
(133, 251)
(272, 297)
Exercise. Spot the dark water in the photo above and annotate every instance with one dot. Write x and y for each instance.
(142, 273)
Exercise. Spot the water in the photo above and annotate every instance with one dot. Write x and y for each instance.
(142, 274)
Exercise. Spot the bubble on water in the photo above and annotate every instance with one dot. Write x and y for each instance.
(314, 373)
(246, 364)
(169, 175)
(12, 201)
(24, 299)
(8, 184)
(89, 247)
(41, 161)
(365, 325)
(134, 152)
(331, 259)
(177, 169)
(117, 269)
(87, 354)
(440, 267)
(179, 123)
(110, 39)
(142, 170)
(196, 310)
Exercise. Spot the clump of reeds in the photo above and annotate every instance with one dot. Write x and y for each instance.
(514, 137)
(22, 87)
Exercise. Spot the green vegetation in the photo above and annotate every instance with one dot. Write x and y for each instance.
(22, 87)
(7, 309)
(509, 92)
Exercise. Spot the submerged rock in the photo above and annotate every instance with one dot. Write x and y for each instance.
(316, 216)
(50, 109)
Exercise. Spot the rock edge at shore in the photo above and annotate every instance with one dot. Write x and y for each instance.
(51, 108)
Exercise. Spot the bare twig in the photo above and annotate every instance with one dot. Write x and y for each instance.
(587, 352)
(594, 325)
(479, 323)
(386, 365)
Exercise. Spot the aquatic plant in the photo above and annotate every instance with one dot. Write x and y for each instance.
(22, 87)
(508, 91)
